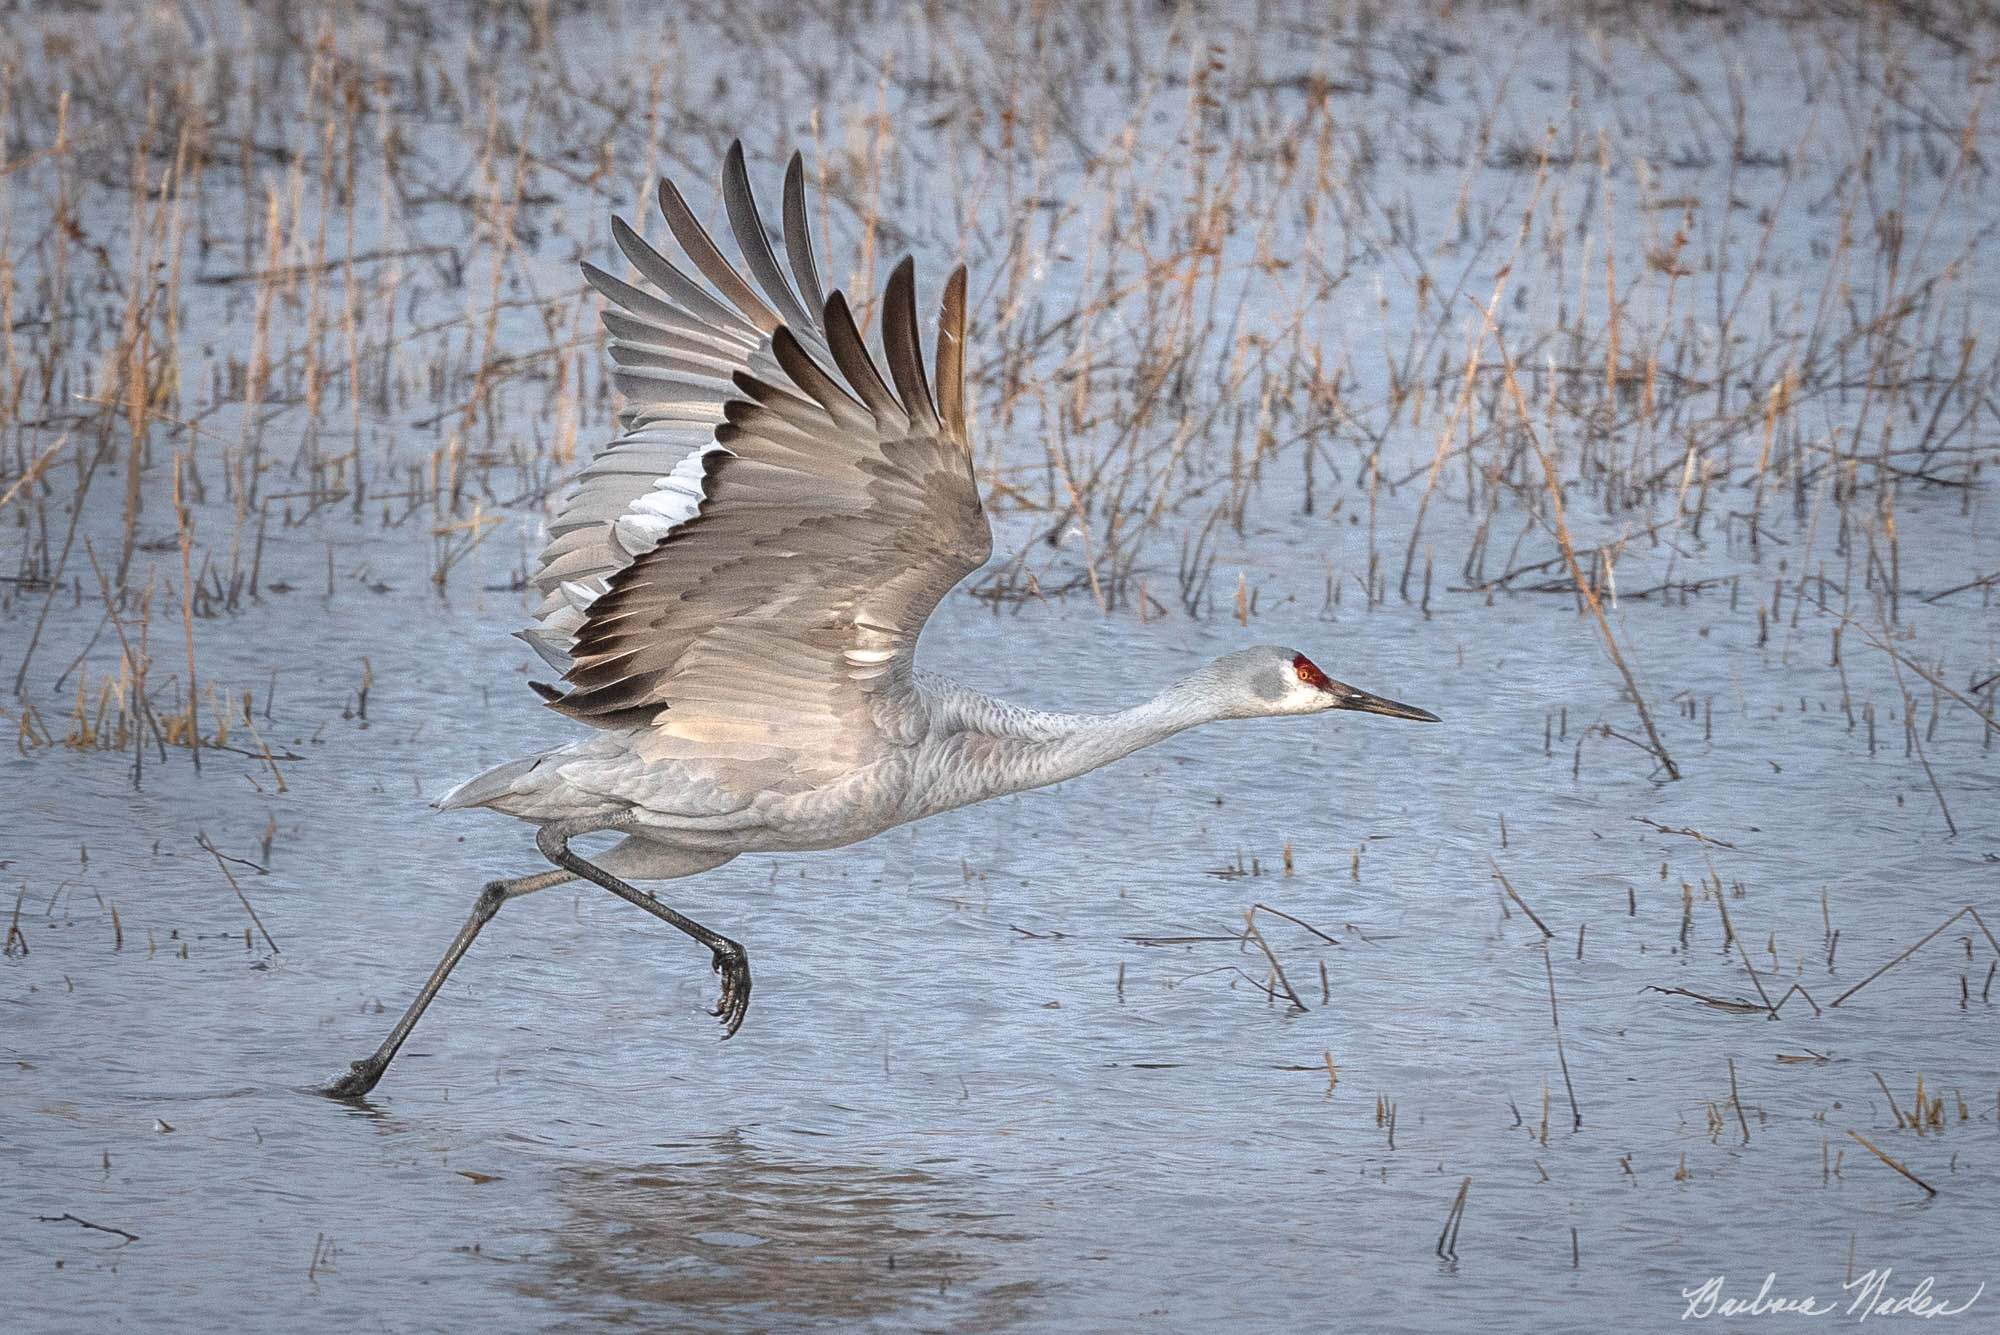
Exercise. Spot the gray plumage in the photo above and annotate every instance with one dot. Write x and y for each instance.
(733, 591)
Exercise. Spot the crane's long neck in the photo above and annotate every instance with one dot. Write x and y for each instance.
(1016, 749)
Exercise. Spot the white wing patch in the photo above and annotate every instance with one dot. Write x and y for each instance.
(672, 501)
(579, 574)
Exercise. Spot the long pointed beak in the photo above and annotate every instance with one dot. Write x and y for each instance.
(1352, 698)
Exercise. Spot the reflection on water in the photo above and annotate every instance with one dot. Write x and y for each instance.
(722, 1233)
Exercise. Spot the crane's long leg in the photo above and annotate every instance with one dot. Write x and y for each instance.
(730, 960)
(363, 1075)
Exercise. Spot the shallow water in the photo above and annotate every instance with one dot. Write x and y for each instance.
(967, 1095)
(1016, 1067)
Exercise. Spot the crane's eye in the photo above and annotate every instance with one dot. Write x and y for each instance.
(1310, 674)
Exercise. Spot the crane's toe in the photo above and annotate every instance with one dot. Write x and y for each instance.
(361, 1077)
(734, 966)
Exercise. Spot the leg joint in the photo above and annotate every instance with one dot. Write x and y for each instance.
(553, 841)
(491, 897)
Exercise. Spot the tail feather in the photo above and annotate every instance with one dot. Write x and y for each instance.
(482, 789)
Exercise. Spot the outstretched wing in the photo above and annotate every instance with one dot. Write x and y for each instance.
(744, 573)
(674, 348)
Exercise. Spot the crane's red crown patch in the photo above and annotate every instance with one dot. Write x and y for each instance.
(1309, 673)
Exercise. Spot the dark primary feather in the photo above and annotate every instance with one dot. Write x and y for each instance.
(858, 368)
(951, 357)
(846, 410)
(702, 253)
(748, 226)
(903, 349)
(663, 273)
(798, 235)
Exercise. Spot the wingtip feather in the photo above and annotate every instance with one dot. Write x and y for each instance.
(951, 356)
(903, 348)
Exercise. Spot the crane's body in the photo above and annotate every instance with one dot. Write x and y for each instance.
(733, 590)
(945, 746)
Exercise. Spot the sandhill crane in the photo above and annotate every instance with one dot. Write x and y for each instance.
(733, 589)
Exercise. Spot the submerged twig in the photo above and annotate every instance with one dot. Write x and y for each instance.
(1250, 932)
(1967, 911)
(223, 865)
(1929, 1190)
(67, 1218)
(1447, 1244)
(1555, 1023)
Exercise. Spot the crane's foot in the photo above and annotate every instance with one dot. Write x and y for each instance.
(734, 966)
(361, 1077)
